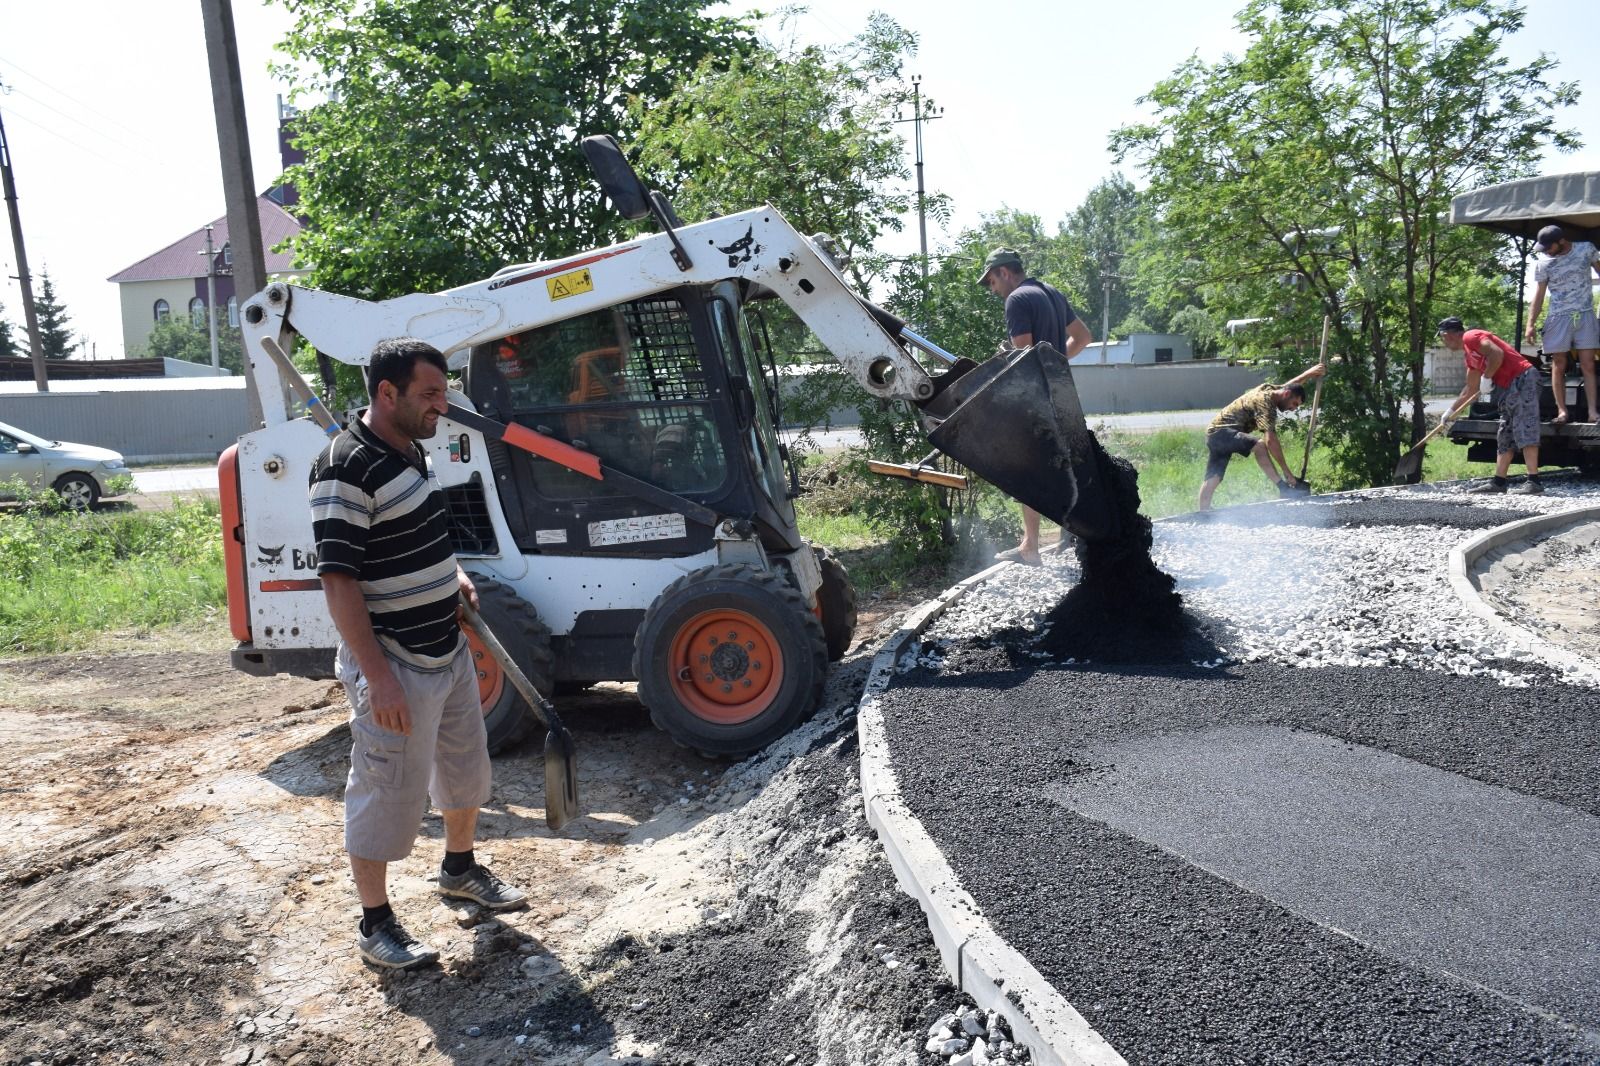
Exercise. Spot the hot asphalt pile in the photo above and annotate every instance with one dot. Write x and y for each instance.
(1301, 621)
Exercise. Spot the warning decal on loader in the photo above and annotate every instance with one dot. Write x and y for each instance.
(570, 284)
(633, 530)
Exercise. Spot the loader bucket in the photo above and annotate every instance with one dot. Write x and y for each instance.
(1016, 422)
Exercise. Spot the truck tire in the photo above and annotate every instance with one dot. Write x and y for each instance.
(729, 659)
(506, 715)
(837, 600)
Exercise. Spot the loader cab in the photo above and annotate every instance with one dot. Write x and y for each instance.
(668, 388)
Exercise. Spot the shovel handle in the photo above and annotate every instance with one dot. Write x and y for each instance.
(297, 385)
(1444, 422)
(1316, 398)
(519, 681)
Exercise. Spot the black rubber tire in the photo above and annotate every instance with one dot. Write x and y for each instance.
(509, 719)
(766, 597)
(80, 492)
(837, 598)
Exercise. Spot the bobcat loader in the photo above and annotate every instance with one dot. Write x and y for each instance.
(615, 483)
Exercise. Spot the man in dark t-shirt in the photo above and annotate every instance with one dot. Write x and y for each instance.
(1036, 313)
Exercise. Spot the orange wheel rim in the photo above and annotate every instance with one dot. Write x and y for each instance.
(491, 679)
(726, 666)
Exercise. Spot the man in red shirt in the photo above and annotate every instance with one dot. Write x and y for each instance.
(1515, 392)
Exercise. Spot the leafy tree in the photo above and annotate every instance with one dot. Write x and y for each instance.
(447, 145)
(54, 335)
(9, 348)
(809, 130)
(1311, 176)
(1106, 228)
(177, 337)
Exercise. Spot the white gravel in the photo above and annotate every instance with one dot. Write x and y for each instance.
(1301, 595)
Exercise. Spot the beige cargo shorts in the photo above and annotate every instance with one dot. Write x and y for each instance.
(392, 776)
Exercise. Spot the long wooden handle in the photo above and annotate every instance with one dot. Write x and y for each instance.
(1316, 397)
(1444, 422)
(297, 384)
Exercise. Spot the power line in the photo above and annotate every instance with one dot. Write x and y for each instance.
(63, 93)
(70, 118)
(62, 137)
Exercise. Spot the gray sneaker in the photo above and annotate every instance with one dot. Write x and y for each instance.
(1488, 488)
(483, 888)
(1529, 488)
(392, 948)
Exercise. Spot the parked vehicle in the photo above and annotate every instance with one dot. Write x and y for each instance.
(1521, 209)
(80, 473)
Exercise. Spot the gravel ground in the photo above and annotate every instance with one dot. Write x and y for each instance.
(1330, 616)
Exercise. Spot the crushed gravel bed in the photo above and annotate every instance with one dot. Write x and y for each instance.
(1331, 616)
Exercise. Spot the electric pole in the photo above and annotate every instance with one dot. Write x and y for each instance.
(210, 252)
(41, 379)
(919, 115)
(238, 181)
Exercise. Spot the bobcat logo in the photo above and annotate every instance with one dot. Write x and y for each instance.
(743, 249)
(269, 557)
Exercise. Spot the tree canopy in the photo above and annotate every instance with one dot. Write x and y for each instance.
(9, 348)
(177, 337)
(1311, 176)
(445, 144)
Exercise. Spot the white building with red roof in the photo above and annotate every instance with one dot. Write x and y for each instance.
(173, 280)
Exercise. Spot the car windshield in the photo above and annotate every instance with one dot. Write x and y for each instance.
(37, 442)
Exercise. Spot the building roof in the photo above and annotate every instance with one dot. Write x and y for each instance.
(179, 259)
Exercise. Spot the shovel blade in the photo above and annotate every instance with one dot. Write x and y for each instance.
(1016, 422)
(560, 779)
(1408, 471)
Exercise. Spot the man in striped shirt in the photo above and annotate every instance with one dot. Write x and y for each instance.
(393, 587)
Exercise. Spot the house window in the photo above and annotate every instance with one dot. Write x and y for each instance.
(1163, 355)
(197, 312)
(233, 311)
(227, 254)
(163, 309)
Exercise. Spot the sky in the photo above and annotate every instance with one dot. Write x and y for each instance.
(107, 109)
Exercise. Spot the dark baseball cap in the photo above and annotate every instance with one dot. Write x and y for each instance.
(1000, 257)
(1452, 325)
(1549, 236)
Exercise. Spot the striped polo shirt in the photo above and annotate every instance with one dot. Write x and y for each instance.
(380, 516)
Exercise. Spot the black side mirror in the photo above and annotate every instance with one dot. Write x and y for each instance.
(616, 176)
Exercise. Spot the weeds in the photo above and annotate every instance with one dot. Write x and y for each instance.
(71, 577)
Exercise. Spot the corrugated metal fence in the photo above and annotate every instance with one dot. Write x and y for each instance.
(150, 419)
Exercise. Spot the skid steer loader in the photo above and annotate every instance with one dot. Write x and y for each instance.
(615, 483)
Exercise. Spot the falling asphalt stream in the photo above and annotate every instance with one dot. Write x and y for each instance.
(1323, 814)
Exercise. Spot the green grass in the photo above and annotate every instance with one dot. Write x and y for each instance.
(73, 577)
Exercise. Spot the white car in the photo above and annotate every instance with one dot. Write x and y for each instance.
(78, 472)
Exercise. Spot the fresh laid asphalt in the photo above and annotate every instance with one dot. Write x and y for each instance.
(1264, 863)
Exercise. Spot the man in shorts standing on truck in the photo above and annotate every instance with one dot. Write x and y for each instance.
(394, 587)
(1036, 313)
(1567, 271)
(1233, 431)
(1516, 393)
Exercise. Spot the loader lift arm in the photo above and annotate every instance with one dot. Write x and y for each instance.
(1015, 420)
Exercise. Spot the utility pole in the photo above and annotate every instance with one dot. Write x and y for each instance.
(238, 182)
(1106, 278)
(210, 252)
(41, 379)
(918, 117)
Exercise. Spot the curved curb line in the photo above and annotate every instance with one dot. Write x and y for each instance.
(1464, 557)
(983, 965)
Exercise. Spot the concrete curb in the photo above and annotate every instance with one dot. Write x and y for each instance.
(982, 964)
(1464, 558)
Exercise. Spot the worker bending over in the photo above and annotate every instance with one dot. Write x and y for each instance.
(1515, 393)
(1232, 433)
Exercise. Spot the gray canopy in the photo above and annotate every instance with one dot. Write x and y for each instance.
(1522, 208)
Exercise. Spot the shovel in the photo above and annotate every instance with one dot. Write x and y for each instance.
(560, 754)
(1408, 471)
(1316, 402)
